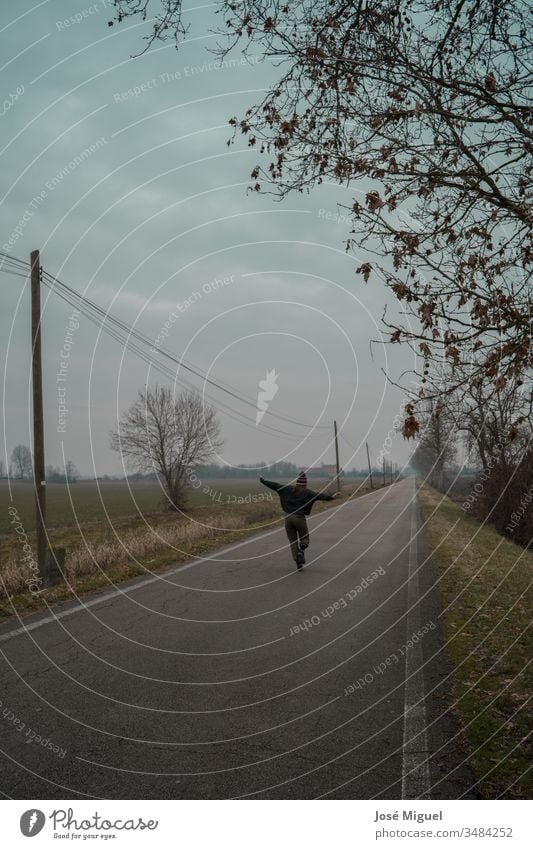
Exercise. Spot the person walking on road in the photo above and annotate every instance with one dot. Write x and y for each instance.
(297, 502)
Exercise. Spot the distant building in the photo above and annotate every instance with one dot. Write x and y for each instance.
(323, 471)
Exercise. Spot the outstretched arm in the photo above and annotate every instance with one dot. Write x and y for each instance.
(272, 485)
(323, 496)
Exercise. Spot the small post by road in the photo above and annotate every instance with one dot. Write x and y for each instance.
(369, 466)
(337, 455)
(38, 419)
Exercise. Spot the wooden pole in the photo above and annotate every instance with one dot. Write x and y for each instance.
(337, 454)
(38, 418)
(369, 466)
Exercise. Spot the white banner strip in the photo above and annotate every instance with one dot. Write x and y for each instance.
(267, 824)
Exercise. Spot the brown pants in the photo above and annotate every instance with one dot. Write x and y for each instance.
(297, 532)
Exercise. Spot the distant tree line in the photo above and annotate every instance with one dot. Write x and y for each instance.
(281, 469)
(248, 470)
(70, 473)
(21, 468)
(274, 470)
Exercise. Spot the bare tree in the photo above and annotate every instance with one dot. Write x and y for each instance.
(506, 497)
(436, 449)
(168, 434)
(497, 422)
(54, 474)
(21, 461)
(71, 471)
(421, 107)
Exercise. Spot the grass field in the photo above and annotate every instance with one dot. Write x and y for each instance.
(112, 531)
(100, 501)
(484, 582)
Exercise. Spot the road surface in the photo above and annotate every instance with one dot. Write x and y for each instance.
(236, 676)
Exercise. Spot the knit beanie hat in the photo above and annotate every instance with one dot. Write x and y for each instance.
(302, 479)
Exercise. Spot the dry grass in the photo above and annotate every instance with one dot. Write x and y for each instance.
(484, 582)
(162, 536)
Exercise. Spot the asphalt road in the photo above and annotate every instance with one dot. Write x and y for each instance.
(237, 676)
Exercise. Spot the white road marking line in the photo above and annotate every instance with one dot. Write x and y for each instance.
(46, 620)
(415, 765)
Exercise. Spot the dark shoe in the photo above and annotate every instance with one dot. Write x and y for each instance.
(300, 558)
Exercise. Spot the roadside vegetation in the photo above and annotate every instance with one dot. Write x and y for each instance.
(484, 581)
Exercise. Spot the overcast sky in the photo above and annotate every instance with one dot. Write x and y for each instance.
(117, 168)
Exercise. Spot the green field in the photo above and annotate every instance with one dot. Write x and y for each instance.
(88, 502)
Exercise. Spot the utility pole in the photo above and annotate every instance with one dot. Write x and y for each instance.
(38, 419)
(384, 472)
(337, 454)
(369, 466)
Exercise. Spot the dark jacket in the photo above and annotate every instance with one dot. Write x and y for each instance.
(293, 503)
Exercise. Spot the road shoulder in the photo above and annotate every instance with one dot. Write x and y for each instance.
(482, 584)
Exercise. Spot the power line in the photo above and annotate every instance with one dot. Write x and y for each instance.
(15, 273)
(107, 316)
(14, 259)
(123, 333)
(12, 265)
(163, 369)
(181, 362)
(347, 441)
